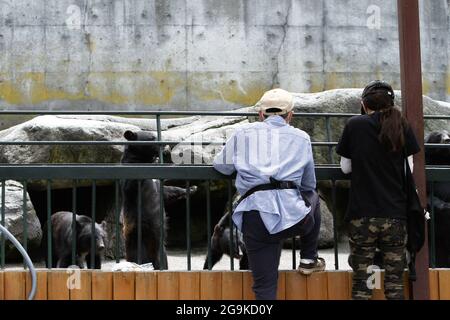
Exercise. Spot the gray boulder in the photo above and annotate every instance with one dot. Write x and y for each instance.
(326, 235)
(14, 220)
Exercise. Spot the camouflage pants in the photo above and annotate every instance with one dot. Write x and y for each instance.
(368, 234)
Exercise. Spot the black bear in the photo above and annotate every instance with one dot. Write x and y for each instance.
(62, 239)
(220, 244)
(441, 199)
(150, 193)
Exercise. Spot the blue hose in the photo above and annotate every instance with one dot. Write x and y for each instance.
(27, 260)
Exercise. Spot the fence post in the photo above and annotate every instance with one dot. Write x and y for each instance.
(411, 76)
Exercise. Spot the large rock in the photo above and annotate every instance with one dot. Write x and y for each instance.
(14, 221)
(326, 235)
(209, 128)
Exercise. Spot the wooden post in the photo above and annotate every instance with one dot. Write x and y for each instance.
(411, 77)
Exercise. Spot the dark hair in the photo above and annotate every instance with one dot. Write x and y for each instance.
(284, 116)
(392, 122)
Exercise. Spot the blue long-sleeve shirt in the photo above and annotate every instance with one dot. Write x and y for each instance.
(267, 149)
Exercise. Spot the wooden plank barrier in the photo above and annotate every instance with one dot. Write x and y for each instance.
(58, 284)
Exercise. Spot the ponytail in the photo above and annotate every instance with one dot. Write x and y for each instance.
(393, 126)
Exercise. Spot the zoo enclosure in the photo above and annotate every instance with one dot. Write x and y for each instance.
(117, 173)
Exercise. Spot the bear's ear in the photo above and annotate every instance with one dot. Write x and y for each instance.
(103, 225)
(130, 135)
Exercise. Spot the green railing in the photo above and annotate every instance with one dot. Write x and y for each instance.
(120, 172)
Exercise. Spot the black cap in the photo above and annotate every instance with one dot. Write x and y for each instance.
(378, 86)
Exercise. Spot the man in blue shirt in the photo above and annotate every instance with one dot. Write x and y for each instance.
(276, 181)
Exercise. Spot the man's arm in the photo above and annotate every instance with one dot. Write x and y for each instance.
(308, 182)
(223, 162)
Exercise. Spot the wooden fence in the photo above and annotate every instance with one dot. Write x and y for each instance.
(193, 285)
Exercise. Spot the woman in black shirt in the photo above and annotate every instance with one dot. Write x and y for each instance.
(373, 148)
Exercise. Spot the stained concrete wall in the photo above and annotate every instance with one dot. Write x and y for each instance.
(203, 54)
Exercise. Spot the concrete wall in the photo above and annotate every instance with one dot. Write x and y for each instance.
(203, 54)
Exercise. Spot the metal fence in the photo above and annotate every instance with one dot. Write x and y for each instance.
(139, 172)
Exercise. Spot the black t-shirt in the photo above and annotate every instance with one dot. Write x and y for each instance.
(377, 181)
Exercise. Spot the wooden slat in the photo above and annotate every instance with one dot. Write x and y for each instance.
(83, 288)
(146, 286)
(2, 285)
(281, 287)
(406, 285)
(378, 294)
(350, 283)
(41, 285)
(124, 286)
(189, 286)
(434, 284)
(14, 282)
(168, 285)
(338, 285)
(317, 286)
(210, 285)
(247, 282)
(444, 284)
(232, 285)
(57, 285)
(296, 287)
(102, 285)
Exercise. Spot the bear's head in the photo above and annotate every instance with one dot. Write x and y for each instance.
(140, 153)
(438, 156)
(85, 235)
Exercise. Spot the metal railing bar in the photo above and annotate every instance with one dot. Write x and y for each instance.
(139, 222)
(294, 254)
(185, 113)
(432, 228)
(25, 222)
(116, 220)
(3, 243)
(208, 221)
(167, 113)
(156, 171)
(49, 224)
(74, 221)
(335, 230)
(188, 225)
(93, 213)
(231, 224)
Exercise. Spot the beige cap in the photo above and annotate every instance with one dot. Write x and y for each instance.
(275, 102)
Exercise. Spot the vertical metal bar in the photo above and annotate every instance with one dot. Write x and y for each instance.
(161, 199)
(94, 204)
(25, 218)
(116, 222)
(188, 224)
(139, 223)
(294, 251)
(432, 228)
(335, 231)
(208, 221)
(330, 148)
(230, 212)
(3, 252)
(158, 130)
(411, 79)
(74, 221)
(49, 225)
(162, 224)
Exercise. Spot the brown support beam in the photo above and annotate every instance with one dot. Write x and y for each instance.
(411, 75)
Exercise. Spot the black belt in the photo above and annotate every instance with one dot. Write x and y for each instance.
(273, 185)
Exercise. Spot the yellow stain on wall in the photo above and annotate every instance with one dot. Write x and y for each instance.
(150, 88)
(207, 88)
(448, 83)
(425, 86)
